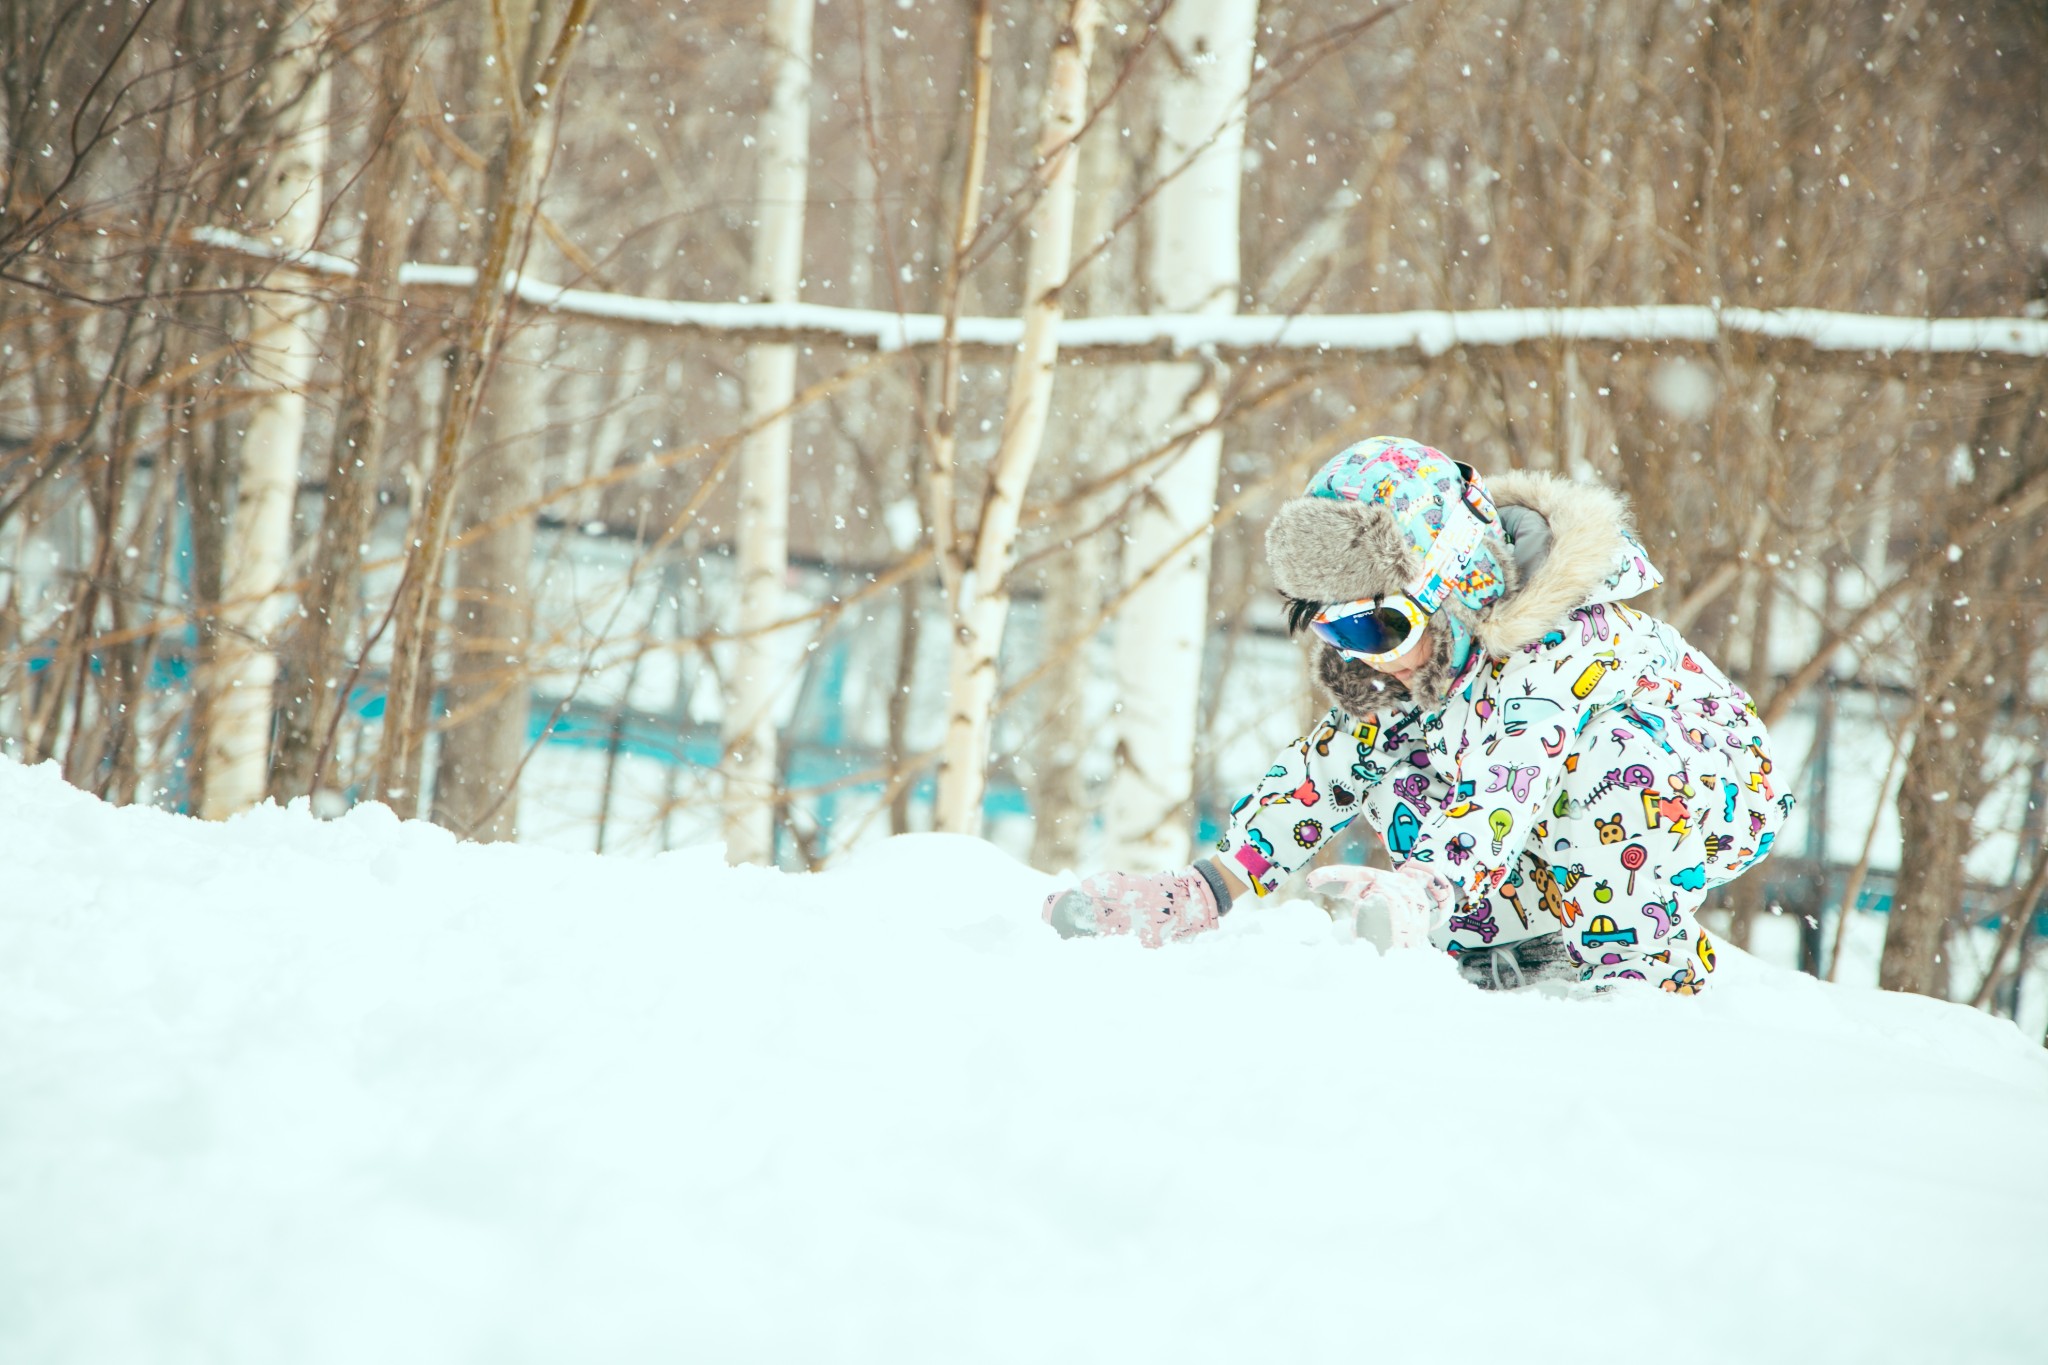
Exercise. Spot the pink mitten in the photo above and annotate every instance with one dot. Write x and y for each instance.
(1417, 898)
(1159, 907)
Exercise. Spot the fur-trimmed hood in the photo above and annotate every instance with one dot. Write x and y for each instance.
(1585, 551)
(1593, 556)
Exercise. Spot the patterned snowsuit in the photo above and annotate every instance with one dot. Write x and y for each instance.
(1598, 779)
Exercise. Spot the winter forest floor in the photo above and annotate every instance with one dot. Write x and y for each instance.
(283, 1090)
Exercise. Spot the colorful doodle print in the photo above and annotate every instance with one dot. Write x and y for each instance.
(1397, 474)
(1597, 783)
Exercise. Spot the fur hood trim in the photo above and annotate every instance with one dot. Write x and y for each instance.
(1330, 550)
(1589, 528)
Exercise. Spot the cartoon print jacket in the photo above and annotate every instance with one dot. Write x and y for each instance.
(1590, 773)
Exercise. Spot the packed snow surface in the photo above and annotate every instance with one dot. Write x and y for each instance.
(290, 1091)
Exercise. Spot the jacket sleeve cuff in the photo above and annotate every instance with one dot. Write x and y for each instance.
(1252, 854)
(1218, 887)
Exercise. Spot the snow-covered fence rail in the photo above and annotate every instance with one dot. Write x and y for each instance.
(1398, 336)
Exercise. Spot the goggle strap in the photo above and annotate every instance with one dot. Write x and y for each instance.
(1449, 555)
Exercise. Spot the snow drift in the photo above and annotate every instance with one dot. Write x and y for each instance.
(284, 1090)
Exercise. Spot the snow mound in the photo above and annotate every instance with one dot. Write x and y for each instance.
(284, 1090)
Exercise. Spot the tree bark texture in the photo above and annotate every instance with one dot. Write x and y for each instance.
(1096, 422)
(533, 110)
(316, 664)
(284, 210)
(1945, 779)
(1937, 799)
(760, 671)
(488, 688)
(980, 600)
(944, 438)
(1192, 226)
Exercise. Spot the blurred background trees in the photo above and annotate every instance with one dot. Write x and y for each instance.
(297, 498)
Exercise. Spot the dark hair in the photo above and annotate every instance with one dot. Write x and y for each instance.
(1300, 613)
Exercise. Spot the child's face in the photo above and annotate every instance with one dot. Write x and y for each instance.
(1411, 659)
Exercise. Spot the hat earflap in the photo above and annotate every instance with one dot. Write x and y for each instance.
(1329, 550)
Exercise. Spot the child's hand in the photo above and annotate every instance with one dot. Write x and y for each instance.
(1417, 898)
(1160, 907)
(1345, 880)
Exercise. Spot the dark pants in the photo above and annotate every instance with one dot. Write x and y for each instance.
(1523, 963)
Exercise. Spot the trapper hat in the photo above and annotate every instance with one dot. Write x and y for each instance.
(1393, 516)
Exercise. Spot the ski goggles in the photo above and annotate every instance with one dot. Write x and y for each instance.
(1376, 630)
(1379, 630)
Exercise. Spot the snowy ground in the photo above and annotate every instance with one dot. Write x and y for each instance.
(284, 1091)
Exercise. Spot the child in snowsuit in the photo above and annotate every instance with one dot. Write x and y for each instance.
(1562, 776)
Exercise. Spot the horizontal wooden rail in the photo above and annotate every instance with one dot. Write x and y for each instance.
(1415, 335)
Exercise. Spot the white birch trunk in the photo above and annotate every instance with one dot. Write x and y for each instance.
(1193, 268)
(1098, 404)
(489, 686)
(759, 671)
(284, 211)
(621, 392)
(980, 601)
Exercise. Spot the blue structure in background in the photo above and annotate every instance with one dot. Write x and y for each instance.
(818, 755)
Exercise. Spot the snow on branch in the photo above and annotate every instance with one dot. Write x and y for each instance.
(1424, 332)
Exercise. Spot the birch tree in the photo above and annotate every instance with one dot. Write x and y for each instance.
(979, 594)
(1192, 228)
(284, 211)
(488, 691)
(762, 542)
(532, 113)
(368, 357)
(1097, 418)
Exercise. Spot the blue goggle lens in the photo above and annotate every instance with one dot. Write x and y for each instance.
(1376, 632)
